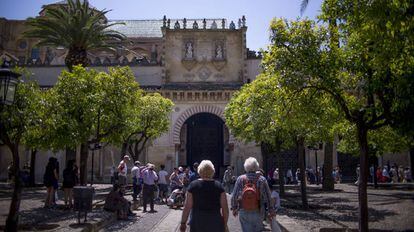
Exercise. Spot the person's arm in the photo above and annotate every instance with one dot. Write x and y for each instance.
(224, 207)
(186, 211)
(267, 197)
(235, 196)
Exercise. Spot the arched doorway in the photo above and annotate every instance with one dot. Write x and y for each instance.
(205, 139)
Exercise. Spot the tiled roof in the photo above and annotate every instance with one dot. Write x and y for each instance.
(138, 28)
(152, 28)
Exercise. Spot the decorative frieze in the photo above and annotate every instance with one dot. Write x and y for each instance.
(190, 96)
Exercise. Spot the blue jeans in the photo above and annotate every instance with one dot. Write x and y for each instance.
(251, 221)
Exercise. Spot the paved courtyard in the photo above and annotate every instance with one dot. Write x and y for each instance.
(390, 209)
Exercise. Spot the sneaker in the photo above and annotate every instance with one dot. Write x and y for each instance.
(153, 211)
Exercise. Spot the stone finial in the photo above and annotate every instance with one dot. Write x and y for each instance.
(223, 24)
(185, 23)
(239, 23)
(195, 25)
(204, 24)
(176, 25)
(213, 25)
(168, 23)
(164, 21)
(232, 26)
(243, 21)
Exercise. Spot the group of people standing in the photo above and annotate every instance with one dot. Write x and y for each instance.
(394, 174)
(51, 181)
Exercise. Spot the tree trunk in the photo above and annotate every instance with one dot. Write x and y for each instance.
(328, 181)
(300, 144)
(281, 169)
(363, 177)
(13, 217)
(83, 163)
(32, 167)
(76, 56)
(124, 149)
(412, 159)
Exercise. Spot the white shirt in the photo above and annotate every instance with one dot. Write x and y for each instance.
(135, 172)
(275, 196)
(124, 171)
(161, 175)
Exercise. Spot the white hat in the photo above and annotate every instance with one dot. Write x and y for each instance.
(127, 157)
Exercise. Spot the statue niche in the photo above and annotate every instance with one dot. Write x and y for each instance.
(188, 60)
(219, 60)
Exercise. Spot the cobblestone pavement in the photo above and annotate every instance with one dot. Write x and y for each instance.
(34, 216)
(165, 220)
(389, 209)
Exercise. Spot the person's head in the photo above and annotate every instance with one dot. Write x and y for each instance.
(229, 168)
(150, 166)
(195, 166)
(187, 170)
(69, 164)
(126, 158)
(137, 163)
(115, 187)
(206, 169)
(176, 170)
(251, 165)
(162, 166)
(180, 169)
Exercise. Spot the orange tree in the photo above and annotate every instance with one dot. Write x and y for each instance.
(367, 73)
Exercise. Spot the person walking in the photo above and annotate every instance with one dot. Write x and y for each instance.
(207, 202)
(123, 171)
(69, 181)
(228, 174)
(50, 179)
(194, 174)
(249, 193)
(135, 173)
(149, 177)
(289, 176)
(162, 184)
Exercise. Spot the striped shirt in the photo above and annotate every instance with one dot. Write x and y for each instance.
(265, 195)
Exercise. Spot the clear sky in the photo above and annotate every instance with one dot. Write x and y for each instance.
(258, 12)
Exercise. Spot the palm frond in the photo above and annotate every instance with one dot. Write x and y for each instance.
(303, 6)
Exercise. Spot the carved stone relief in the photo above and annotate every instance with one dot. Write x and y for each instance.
(204, 73)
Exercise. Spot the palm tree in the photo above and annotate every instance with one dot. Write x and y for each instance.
(76, 27)
(303, 6)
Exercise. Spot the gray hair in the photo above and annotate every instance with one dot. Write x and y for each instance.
(206, 169)
(251, 165)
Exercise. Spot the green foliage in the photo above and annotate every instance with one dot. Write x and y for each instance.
(150, 119)
(385, 139)
(89, 106)
(19, 119)
(262, 111)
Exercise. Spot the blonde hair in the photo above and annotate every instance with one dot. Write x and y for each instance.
(206, 169)
(251, 165)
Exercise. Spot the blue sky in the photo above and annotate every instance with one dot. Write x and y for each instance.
(258, 12)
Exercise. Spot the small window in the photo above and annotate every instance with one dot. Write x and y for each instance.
(35, 53)
(22, 44)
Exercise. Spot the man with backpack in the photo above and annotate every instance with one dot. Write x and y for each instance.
(250, 192)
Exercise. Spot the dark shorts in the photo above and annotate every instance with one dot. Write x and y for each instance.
(163, 188)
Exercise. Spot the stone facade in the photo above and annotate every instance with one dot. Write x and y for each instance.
(197, 63)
